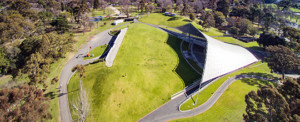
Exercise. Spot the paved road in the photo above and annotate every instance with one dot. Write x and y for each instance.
(65, 75)
(170, 110)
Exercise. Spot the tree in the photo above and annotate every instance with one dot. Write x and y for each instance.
(219, 18)
(274, 104)
(151, 7)
(4, 63)
(266, 39)
(244, 26)
(281, 59)
(186, 8)
(253, 31)
(240, 12)
(61, 24)
(254, 13)
(268, 20)
(103, 5)
(290, 90)
(13, 27)
(126, 7)
(192, 16)
(96, 4)
(208, 20)
(62, 5)
(223, 6)
(197, 6)
(25, 103)
(36, 68)
(165, 5)
(267, 104)
(285, 4)
(81, 105)
(20, 5)
(234, 31)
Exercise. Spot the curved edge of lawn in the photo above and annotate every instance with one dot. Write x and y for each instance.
(258, 68)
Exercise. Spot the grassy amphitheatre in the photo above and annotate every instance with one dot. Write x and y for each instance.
(236, 108)
(155, 70)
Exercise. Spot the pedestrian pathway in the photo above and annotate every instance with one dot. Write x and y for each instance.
(109, 60)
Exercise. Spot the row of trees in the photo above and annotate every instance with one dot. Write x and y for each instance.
(274, 104)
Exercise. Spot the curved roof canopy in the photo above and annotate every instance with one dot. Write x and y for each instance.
(222, 58)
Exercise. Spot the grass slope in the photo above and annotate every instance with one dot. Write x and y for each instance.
(259, 68)
(231, 105)
(154, 71)
(160, 19)
(98, 51)
(238, 42)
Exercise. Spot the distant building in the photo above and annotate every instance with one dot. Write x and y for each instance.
(116, 22)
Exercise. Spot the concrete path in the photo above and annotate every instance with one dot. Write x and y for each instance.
(109, 60)
(170, 110)
(98, 40)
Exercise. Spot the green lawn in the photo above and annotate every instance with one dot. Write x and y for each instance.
(160, 19)
(258, 68)
(238, 42)
(98, 51)
(155, 70)
(231, 105)
(212, 32)
(294, 9)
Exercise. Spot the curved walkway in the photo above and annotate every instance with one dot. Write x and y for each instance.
(170, 110)
(65, 75)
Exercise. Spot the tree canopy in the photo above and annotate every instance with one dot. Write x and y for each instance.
(274, 104)
(281, 59)
(25, 103)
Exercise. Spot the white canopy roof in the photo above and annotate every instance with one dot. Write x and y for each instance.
(222, 58)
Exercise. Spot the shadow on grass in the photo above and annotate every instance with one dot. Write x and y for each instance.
(51, 95)
(255, 82)
(256, 48)
(265, 75)
(267, 79)
(174, 18)
(183, 69)
(186, 20)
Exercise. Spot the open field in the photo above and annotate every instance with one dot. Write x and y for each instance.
(231, 105)
(155, 70)
(258, 68)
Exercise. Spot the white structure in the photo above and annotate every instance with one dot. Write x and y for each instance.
(222, 58)
(118, 21)
(115, 48)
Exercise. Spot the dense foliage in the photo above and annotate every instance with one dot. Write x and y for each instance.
(274, 104)
(25, 103)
